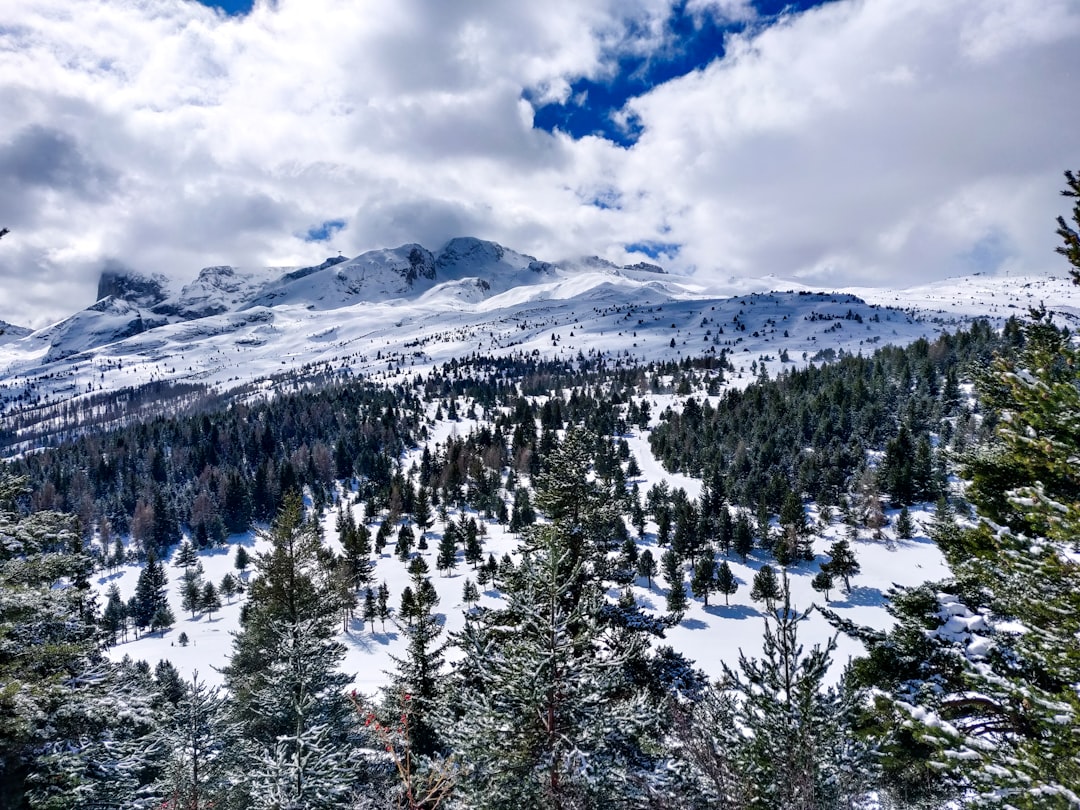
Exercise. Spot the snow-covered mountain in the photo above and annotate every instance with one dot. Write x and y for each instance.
(400, 310)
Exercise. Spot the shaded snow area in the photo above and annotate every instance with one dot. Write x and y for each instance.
(709, 635)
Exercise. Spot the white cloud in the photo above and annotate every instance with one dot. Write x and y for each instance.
(863, 141)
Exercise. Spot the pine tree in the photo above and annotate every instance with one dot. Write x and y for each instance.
(162, 619)
(417, 673)
(48, 636)
(242, 560)
(542, 713)
(470, 595)
(794, 748)
(149, 592)
(646, 566)
(677, 602)
(743, 539)
(823, 581)
(209, 599)
(905, 527)
(766, 587)
(981, 670)
(842, 562)
(447, 558)
(197, 739)
(371, 609)
(288, 701)
(704, 580)
(725, 581)
(186, 556)
(228, 586)
(383, 597)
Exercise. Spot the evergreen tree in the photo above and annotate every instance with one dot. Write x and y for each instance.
(447, 559)
(162, 619)
(823, 581)
(905, 527)
(842, 562)
(209, 599)
(980, 673)
(470, 595)
(646, 566)
(418, 673)
(47, 639)
(779, 739)
(383, 598)
(704, 580)
(228, 587)
(197, 738)
(149, 592)
(542, 713)
(725, 581)
(766, 587)
(677, 603)
(242, 560)
(288, 696)
(743, 539)
(371, 609)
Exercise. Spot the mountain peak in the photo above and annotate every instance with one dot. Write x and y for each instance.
(132, 286)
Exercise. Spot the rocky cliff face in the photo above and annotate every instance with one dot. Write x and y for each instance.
(132, 286)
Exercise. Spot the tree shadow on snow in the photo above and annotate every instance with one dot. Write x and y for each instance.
(860, 596)
(694, 624)
(732, 611)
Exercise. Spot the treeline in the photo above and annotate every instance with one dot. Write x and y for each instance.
(216, 472)
(810, 431)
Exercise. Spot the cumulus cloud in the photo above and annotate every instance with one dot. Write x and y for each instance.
(863, 141)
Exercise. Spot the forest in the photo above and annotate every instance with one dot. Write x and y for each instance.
(564, 695)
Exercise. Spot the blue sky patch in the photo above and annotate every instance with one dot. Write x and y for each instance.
(324, 232)
(654, 250)
(234, 8)
(592, 105)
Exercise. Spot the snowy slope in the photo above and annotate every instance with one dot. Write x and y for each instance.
(711, 636)
(345, 316)
(391, 313)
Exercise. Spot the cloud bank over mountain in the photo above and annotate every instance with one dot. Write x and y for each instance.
(855, 142)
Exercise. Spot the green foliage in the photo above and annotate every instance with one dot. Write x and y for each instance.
(981, 671)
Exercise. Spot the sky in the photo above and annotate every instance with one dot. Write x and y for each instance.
(851, 142)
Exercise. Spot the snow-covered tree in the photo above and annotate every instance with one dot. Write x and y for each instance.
(288, 693)
(980, 676)
(772, 736)
(543, 711)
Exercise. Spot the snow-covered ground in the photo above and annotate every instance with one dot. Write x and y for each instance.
(710, 635)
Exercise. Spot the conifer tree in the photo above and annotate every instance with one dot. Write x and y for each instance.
(725, 581)
(198, 741)
(677, 602)
(542, 712)
(794, 749)
(743, 538)
(288, 695)
(371, 609)
(905, 527)
(209, 599)
(823, 581)
(842, 562)
(447, 558)
(470, 595)
(646, 566)
(704, 580)
(981, 671)
(417, 673)
(149, 592)
(766, 587)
